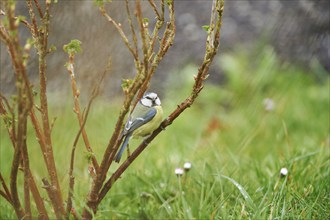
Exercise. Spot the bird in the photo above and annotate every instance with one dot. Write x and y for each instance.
(145, 118)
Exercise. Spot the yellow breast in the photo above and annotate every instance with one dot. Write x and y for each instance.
(149, 127)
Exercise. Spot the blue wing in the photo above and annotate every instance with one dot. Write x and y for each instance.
(131, 125)
(135, 123)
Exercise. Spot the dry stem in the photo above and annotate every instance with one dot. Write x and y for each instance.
(40, 36)
(71, 181)
(77, 110)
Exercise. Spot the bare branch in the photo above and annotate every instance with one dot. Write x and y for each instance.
(7, 194)
(38, 8)
(71, 181)
(166, 42)
(27, 175)
(154, 7)
(144, 37)
(11, 128)
(6, 197)
(51, 191)
(40, 36)
(77, 110)
(198, 86)
(33, 188)
(163, 10)
(40, 138)
(37, 198)
(121, 32)
(135, 41)
(34, 26)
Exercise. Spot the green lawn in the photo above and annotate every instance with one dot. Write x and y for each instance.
(237, 148)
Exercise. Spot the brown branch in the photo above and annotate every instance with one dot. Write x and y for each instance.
(4, 35)
(33, 188)
(6, 192)
(144, 37)
(107, 158)
(34, 27)
(11, 130)
(40, 138)
(71, 181)
(51, 191)
(135, 41)
(45, 153)
(154, 7)
(38, 8)
(6, 197)
(114, 141)
(26, 169)
(40, 36)
(38, 199)
(166, 42)
(24, 104)
(121, 32)
(109, 153)
(211, 50)
(163, 10)
(77, 110)
(13, 184)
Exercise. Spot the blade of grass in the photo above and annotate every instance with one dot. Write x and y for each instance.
(244, 193)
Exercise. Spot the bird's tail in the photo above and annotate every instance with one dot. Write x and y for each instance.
(122, 148)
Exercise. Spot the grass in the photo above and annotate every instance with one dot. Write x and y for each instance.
(237, 148)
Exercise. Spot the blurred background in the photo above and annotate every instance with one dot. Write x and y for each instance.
(264, 107)
(297, 31)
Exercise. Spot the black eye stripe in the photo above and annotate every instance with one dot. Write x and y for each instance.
(152, 99)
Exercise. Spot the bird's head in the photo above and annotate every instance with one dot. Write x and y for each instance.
(150, 100)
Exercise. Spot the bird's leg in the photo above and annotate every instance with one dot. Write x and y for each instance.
(128, 151)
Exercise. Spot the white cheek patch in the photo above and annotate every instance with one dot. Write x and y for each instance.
(146, 102)
(158, 101)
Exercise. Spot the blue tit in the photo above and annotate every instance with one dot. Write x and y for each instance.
(145, 118)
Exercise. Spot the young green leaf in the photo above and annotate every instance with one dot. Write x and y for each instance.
(73, 47)
(206, 27)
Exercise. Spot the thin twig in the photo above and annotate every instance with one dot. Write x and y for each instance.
(77, 110)
(71, 181)
(135, 41)
(166, 41)
(154, 7)
(144, 37)
(6, 192)
(51, 191)
(26, 169)
(121, 32)
(40, 36)
(6, 197)
(33, 188)
(11, 130)
(38, 8)
(162, 10)
(24, 100)
(40, 138)
(34, 26)
(38, 199)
